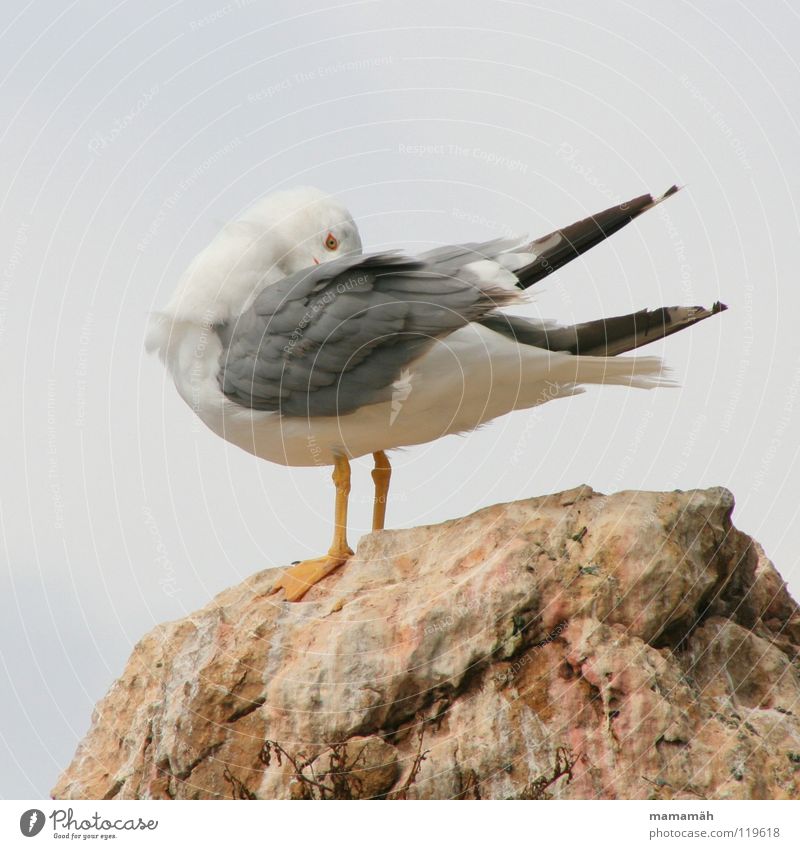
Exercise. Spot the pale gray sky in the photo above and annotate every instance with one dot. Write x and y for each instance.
(133, 131)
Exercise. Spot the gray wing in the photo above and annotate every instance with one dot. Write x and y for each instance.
(331, 339)
(450, 258)
(555, 249)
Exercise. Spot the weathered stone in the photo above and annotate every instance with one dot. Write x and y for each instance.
(572, 646)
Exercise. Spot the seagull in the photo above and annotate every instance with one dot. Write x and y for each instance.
(291, 342)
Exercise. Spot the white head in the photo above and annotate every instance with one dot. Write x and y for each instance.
(281, 234)
(308, 226)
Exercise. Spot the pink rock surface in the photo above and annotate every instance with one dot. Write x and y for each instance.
(638, 637)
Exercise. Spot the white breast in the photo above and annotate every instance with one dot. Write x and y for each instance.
(463, 381)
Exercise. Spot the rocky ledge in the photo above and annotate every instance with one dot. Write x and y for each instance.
(578, 645)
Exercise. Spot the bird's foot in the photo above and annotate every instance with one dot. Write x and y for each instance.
(298, 580)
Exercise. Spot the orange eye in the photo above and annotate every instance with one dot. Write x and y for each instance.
(331, 242)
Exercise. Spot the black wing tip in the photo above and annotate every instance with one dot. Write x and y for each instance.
(691, 314)
(656, 199)
(624, 333)
(705, 312)
(575, 239)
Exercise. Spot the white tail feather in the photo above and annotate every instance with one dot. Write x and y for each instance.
(640, 372)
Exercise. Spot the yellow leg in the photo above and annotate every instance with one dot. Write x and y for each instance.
(341, 480)
(298, 580)
(381, 474)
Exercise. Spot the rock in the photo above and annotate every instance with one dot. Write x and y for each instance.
(578, 645)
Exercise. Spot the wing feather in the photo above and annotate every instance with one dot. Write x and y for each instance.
(331, 339)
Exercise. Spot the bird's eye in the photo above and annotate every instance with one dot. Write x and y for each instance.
(331, 242)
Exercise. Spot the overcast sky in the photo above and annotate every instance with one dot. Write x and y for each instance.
(133, 131)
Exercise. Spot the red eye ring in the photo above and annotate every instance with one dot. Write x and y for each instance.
(331, 242)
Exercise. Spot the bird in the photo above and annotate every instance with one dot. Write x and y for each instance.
(290, 341)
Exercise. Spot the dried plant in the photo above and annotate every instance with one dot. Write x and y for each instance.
(239, 790)
(416, 765)
(339, 781)
(564, 762)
